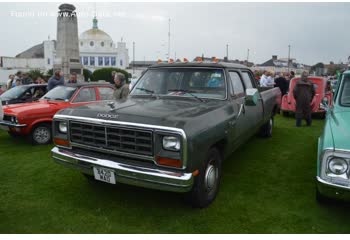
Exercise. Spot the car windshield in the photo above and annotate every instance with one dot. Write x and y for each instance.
(14, 93)
(61, 93)
(182, 82)
(345, 92)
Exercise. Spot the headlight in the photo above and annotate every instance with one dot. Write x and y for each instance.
(337, 166)
(62, 127)
(171, 143)
(14, 120)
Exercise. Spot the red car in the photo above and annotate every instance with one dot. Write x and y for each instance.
(34, 119)
(322, 91)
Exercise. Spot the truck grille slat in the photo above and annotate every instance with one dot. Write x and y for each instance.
(112, 138)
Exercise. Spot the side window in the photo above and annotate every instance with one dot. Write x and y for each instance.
(238, 89)
(86, 95)
(247, 79)
(106, 93)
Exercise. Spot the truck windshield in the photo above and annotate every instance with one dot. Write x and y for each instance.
(14, 93)
(345, 91)
(61, 93)
(182, 82)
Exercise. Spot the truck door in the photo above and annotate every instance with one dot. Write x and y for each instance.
(243, 121)
(259, 108)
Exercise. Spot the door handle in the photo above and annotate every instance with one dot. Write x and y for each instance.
(241, 110)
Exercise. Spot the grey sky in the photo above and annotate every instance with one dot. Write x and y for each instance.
(316, 31)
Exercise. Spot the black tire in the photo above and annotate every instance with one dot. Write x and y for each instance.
(285, 114)
(207, 183)
(89, 177)
(41, 134)
(266, 129)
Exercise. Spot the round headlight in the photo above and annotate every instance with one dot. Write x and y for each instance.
(171, 143)
(338, 166)
(62, 126)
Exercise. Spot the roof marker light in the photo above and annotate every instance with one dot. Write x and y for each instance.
(214, 59)
(185, 60)
(199, 59)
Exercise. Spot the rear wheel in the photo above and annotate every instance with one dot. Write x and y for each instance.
(41, 134)
(206, 184)
(266, 129)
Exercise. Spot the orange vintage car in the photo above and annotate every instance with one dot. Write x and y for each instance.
(35, 119)
(322, 91)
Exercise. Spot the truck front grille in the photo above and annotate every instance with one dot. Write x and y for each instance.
(112, 138)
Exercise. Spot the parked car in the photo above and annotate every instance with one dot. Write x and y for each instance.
(34, 119)
(172, 133)
(322, 90)
(23, 93)
(1, 111)
(333, 162)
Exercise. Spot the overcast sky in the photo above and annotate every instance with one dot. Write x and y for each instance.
(315, 31)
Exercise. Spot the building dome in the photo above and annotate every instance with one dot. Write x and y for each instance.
(95, 39)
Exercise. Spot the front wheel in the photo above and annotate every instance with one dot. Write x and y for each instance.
(206, 184)
(266, 129)
(41, 134)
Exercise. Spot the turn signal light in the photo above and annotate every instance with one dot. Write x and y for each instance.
(61, 142)
(169, 162)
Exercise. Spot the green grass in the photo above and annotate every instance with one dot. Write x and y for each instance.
(267, 187)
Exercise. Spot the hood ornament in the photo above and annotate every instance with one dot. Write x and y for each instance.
(111, 104)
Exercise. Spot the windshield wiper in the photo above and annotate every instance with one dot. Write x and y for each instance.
(47, 98)
(61, 99)
(145, 90)
(188, 92)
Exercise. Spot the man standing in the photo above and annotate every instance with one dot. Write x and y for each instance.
(282, 83)
(266, 80)
(10, 82)
(56, 80)
(26, 79)
(303, 93)
(73, 78)
(122, 89)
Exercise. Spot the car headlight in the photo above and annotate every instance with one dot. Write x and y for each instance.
(171, 143)
(62, 127)
(337, 166)
(14, 120)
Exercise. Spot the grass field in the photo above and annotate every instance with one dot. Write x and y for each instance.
(267, 187)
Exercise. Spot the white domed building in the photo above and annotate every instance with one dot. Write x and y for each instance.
(98, 50)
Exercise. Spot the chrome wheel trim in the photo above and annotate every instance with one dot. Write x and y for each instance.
(41, 135)
(211, 177)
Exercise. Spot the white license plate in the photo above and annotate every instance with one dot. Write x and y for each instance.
(104, 175)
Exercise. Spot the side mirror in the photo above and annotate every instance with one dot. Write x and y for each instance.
(252, 96)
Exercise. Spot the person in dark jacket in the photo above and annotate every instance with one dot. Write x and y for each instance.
(303, 93)
(26, 79)
(56, 80)
(121, 88)
(282, 83)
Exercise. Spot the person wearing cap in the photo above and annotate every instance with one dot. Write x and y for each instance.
(122, 89)
(303, 93)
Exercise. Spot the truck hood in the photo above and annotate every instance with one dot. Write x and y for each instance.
(23, 109)
(340, 125)
(165, 111)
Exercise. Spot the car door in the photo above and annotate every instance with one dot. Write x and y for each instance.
(84, 96)
(243, 120)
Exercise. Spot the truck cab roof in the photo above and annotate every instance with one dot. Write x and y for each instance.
(199, 64)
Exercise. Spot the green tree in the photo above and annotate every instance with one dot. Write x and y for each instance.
(87, 75)
(34, 74)
(106, 74)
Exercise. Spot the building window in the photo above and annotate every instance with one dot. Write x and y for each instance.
(92, 61)
(81, 43)
(106, 61)
(85, 61)
(121, 62)
(113, 61)
(100, 61)
(111, 44)
(48, 61)
(102, 44)
(81, 59)
(92, 43)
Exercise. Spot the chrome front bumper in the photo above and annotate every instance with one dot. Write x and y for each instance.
(125, 173)
(332, 190)
(10, 124)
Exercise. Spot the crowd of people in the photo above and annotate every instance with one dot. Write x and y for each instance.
(280, 80)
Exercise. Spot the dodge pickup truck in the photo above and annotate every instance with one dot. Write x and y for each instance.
(180, 122)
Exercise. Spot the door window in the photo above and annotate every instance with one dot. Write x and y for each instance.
(106, 93)
(86, 95)
(238, 88)
(247, 79)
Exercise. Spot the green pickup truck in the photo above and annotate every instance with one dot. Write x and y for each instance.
(333, 158)
(180, 122)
